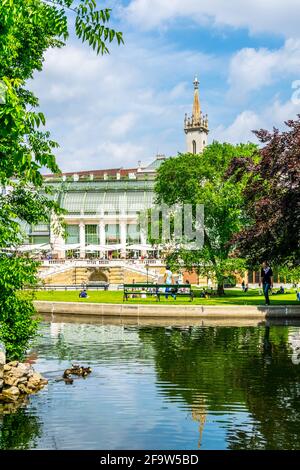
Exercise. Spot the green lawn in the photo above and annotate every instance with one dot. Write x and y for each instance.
(233, 297)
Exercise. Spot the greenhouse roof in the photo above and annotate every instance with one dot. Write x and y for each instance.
(153, 166)
(96, 202)
(116, 185)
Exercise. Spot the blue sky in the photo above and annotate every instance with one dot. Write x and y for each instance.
(112, 111)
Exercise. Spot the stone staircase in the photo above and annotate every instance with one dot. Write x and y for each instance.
(79, 273)
(80, 276)
(68, 276)
(116, 275)
(55, 269)
(139, 272)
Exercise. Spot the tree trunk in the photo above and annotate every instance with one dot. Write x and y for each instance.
(221, 290)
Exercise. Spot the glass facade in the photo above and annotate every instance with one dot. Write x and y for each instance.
(40, 228)
(39, 239)
(93, 203)
(73, 202)
(112, 233)
(92, 235)
(133, 233)
(119, 200)
(72, 234)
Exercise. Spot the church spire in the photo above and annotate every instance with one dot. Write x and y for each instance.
(196, 105)
(196, 126)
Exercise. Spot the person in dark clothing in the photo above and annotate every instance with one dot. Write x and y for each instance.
(266, 278)
(280, 291)
(83, 294)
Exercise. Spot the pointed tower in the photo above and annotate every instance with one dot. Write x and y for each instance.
(196, 127)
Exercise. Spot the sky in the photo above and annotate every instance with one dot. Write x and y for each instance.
(115, 110)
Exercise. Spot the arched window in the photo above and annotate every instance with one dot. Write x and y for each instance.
(194, 147)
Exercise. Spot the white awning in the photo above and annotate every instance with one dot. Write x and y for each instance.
(39, 247)
(46, 247)
(117, 246)
(95, 248)
(140, 247)
(103, 247)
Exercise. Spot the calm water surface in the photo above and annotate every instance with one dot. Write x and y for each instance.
(163, 388)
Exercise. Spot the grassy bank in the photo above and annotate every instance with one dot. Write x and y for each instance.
(232, 297)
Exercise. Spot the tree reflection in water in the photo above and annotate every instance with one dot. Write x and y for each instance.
(240, 383)
(18, 429)
(214, 369)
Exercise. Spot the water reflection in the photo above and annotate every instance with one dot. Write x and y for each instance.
(183, 387)
(294, 341)
(18, 429)
(237, 369)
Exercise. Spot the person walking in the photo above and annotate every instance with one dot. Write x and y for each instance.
(266, 279)
(168, 279)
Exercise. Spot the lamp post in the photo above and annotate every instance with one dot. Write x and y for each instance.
(51, 250)
(147, 269)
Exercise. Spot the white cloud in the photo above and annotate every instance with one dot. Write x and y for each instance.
(179, 90)
(107, 154)
(278, 112)
(117, 109)
(272, 16)
(240, 130)
(252, 69)
(120, 126)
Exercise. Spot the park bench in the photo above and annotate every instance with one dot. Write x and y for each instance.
(97, 285)
(157, 290)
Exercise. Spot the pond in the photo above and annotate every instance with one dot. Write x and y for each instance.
(183, 387)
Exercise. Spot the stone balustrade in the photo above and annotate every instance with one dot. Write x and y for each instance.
(81, 263)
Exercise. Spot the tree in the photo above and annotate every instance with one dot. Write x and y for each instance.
(28, 28)
(289, 273)
(272, 198)
(200, 179)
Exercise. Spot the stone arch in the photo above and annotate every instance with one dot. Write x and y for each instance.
(98, 275)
